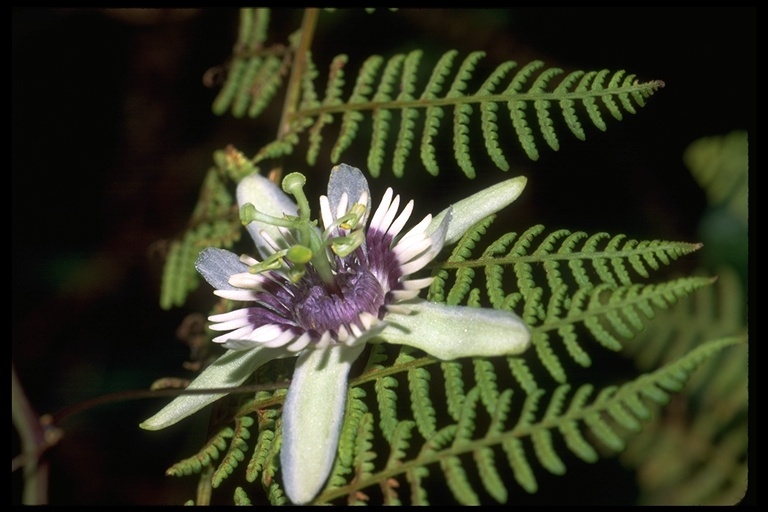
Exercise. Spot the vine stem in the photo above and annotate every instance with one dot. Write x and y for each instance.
(33, 443)
(293, 89)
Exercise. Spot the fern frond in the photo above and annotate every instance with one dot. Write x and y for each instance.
(720, 166)
(452, 466)
(263, 447)
(408, 115)
(361, 94)
(462, 113)
(702, 459)
(454, 387)
(462, 251)
(364, 455)
(434, 113)
(236, 451)
(531, 87)
(333, 91)
(488, 115)
(421, 404)
(255, 73)
(386, 397)
(213, 223)
(344, 464)
(204, 457)
(381, 118)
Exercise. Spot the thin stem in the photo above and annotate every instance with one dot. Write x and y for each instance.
(293, 90)
(33, 444)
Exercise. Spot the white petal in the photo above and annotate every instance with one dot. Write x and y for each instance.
(478, 206)
(241, 295)
(406, 252)
(230, 325)
(325, 212)
(382, 209)
(403, 309)
(401, 295)
(247, 280)
(399, 223)
(341, 334)
(418, 263)
(418, 231)
(342, 207)
(239, 334)
(268, 332)
(417, 284)
(280, 340)
(300, 343)
(229, 370)
(231, 315)
(450, 332)
(312, 417)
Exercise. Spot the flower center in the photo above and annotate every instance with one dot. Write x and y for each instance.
(318, 309)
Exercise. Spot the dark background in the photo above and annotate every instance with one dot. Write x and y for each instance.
(112, 133)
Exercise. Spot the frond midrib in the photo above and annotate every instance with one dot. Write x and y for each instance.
(486, 98)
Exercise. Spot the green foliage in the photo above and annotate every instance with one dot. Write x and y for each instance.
(587, 424)
(214, 223)
(701, 458)
(373, 94)
(720, 166)
(254, 73)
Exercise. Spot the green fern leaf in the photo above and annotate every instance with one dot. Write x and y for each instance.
(543, 106)
(236, 452)
(516, 457)
(363, 450)
(204, 457)
(517, 108)
(387, 400)
(485, 376)
(241, 497)
(488, 110)
(408, 115)
(360, 94)
(454, 387)
(489, 475)
(522, 374)
(421, 404)
(567, 104)
(462, 113)
(434, 114)
(456, 478)
(264, 442)
(382, 117)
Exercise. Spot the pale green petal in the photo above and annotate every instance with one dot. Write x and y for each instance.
(267, 198)
(450, 332)
(229, 370)
(312, 417)
(478, 206)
